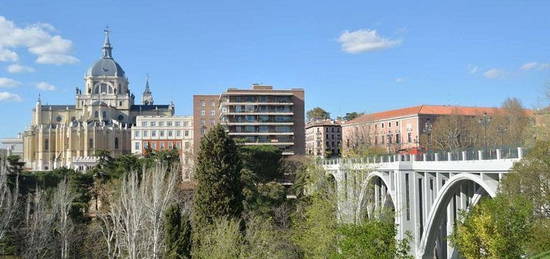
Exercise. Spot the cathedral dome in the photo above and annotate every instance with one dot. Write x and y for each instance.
(106, 65)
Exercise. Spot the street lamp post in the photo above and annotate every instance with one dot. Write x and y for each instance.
(501, 130)
(484, 121)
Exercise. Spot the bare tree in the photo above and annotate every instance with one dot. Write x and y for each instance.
(133, 225)
(61, 205)
(39, 222)
(8, 202)
(158, 193)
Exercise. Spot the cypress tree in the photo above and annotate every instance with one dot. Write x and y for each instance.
(177, 227)
(218, 175)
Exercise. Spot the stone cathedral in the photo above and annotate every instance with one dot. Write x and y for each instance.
(69, 135)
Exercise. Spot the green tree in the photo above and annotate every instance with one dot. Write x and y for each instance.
(263, 161)
(218, 174)
(495, 228)
(373, 238)
(177, 227)
(317, 113)
(314, 222)
(15, 165)
(529, 180)
(352, 115)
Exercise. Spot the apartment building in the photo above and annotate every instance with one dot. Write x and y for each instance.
(165, 133)
(265, 116)
(205, 116)
(323, 138)
(400, 129)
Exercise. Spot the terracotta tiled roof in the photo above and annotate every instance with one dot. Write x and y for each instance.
(424, 109)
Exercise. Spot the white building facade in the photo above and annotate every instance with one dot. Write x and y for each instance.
(165, 133)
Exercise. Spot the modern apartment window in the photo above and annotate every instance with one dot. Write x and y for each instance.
(144, 124)
(187, 133)
(152, 123)
(169, 133)
(153, 133)
(178, 123)
(178, 133)
(203, 103)
(136, 145)
(203, 112)
(169, 124)
(161, 123)
(407, 198)
(145, 133)
(161, 132)
(212, 113)
(46, 144)
(136, 134)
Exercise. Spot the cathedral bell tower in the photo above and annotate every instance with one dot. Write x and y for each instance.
(147, 98)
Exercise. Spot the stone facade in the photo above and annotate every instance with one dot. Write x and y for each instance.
(104, 112)
(399, 130)
(323, 138)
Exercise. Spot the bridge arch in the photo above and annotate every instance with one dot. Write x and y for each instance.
(362, 209)
(439, 208)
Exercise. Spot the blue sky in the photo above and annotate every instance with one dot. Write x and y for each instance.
(348, 56)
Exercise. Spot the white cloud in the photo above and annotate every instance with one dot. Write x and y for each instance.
(16, 68)
(364, 40)
(472, 69)
(534, 66)
(399, 80)
(8, 82)
(45, 86)
(494, 73)
(7, 55)
(38, 39)
(6, 96)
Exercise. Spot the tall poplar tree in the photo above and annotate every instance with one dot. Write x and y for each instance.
(218, 175)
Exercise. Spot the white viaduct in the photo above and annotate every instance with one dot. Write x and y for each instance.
(425, 192)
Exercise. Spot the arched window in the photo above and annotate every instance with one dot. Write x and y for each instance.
(110, 90)
(104, 113)
(120, 117)
(116, 143)
(96, 114)
(96, 90)
(103, 88)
